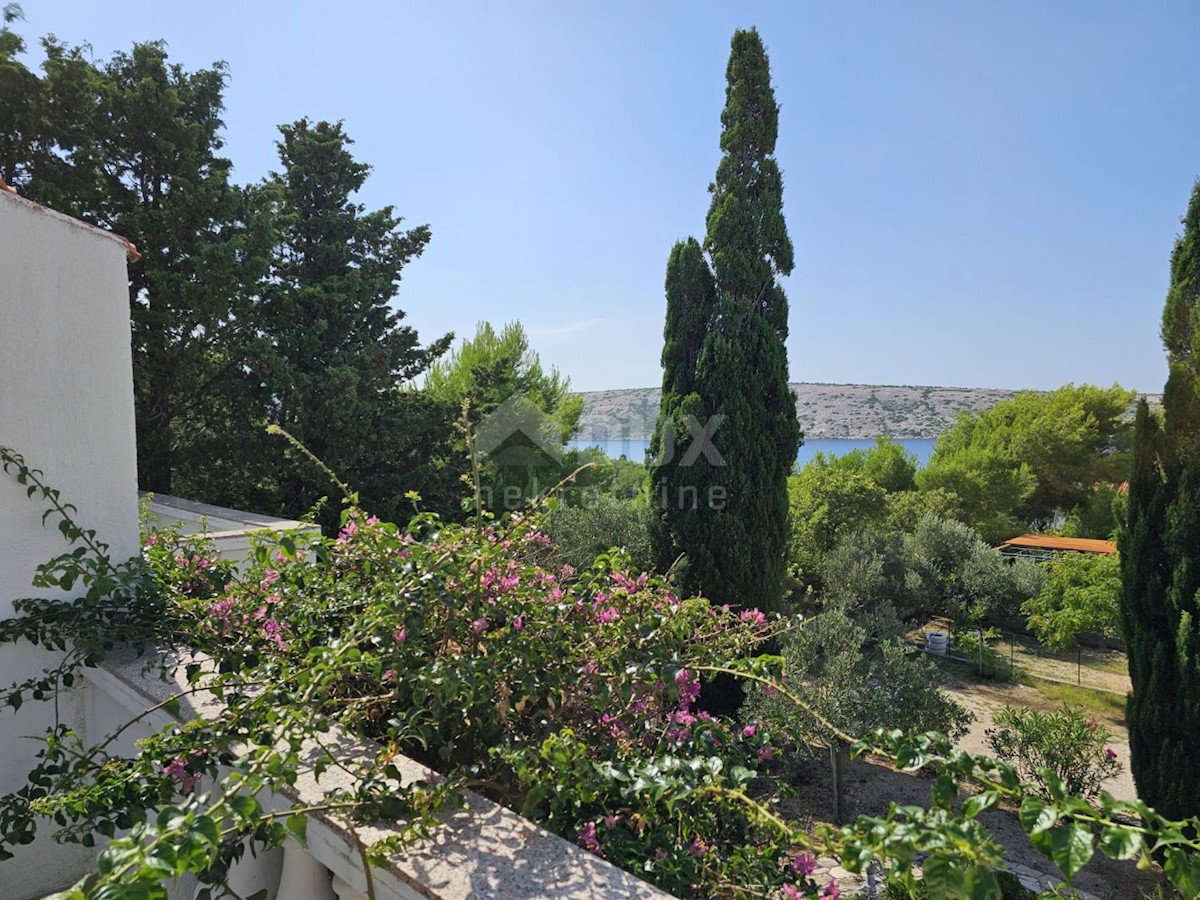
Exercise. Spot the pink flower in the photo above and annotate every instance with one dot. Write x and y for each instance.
(805, 864)
(555, 595)
(679, 735)
(749, 731)
(606, 615)
(347, 532)
(1110, 752)
(518, 623)
(274, 633)
(791, 892)
(754, 616)
(697, 847)
(480, 625)
(372, 520)
(566, 571)
(615, 726)
(766, 753)
(400, 635)
(223, 610)
(689, 687)
(586, 838)
(151, 540)
(270, 576)
(177, 769)
(390, 675)
(508, 582)
(832, 891)
(610, 821)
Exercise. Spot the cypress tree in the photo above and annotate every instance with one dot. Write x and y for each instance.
(725, 364)
(1160, 558)
(691, 303)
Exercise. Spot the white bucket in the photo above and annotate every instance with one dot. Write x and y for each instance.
(935, 642)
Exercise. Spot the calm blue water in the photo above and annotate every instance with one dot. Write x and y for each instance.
(636, 450)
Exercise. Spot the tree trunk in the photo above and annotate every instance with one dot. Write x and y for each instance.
(839, 761)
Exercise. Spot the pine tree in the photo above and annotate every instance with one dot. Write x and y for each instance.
(156, 177)
(727, 510)
(337, 353)
(1160, 558)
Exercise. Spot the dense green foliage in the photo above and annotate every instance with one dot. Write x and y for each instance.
(691, 304)
(1160, 556)
(1032, 457)
(856, 676)
(249, 305)
(133, 145)
(725, 364)
(523, 413)
(1082, 593)
(332, 352)
(581, 533)
(570, 695)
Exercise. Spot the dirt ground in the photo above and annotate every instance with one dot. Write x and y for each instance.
(872, 784)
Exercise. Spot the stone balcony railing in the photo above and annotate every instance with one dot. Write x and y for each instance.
(482, 850)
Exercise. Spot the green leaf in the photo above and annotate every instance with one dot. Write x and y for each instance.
(172, 706)
(297, 827)
(977, 803)
(944, 791)
(1183, 871)
(1119, 842)
(1036, 815)
(981, 884)
(942, 876)
(1071, 847)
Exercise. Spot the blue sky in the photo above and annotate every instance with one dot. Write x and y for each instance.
(979, 194)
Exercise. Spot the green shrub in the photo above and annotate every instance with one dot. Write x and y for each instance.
(1010, 889)
(1076, 750)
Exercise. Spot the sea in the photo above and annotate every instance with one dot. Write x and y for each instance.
(636, 449)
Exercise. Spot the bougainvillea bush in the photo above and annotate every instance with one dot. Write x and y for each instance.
(571, 696)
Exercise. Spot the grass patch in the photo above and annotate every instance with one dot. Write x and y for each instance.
(1101, 703)
(1117, 664)
(968, 670)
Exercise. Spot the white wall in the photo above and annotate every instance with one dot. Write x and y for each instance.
(66, 405)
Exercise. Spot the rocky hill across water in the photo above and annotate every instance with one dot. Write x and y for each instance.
(826, 411)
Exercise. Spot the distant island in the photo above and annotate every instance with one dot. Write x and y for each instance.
(826, 411)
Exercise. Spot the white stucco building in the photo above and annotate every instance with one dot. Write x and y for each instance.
(66, 405)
